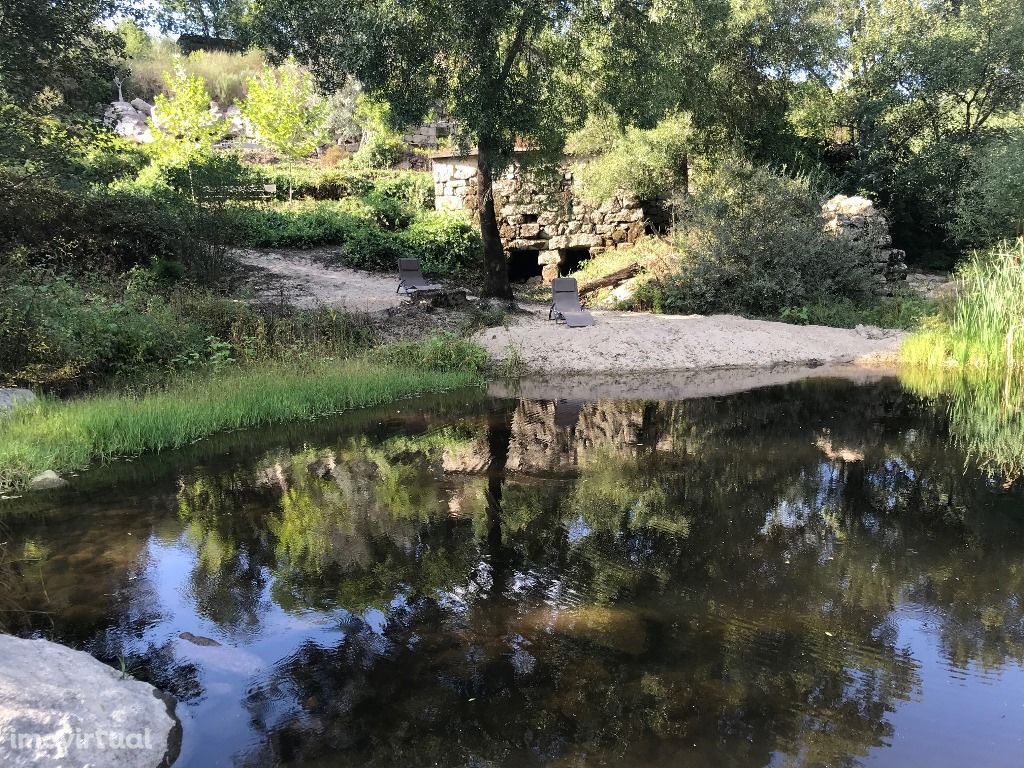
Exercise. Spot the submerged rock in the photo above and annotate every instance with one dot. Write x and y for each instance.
(61, 707)
(208, 642)
(47, 480)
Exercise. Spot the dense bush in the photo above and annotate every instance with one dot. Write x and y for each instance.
(752, 242)
(56, 332)
(444, 243)
(991, 206)
(84, 231)
(416, 189)
(202, 174)
(647, 164)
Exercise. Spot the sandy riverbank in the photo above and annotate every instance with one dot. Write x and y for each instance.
(622, 342)
(634, 342)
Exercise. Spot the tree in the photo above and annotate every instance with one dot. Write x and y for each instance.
(225, 19)
(184, 128)
(286, 111)
(509, 71)
(56, 56)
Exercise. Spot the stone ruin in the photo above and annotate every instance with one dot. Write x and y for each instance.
(545, 226)
(857, 218)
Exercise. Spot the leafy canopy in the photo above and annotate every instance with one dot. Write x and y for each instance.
(286, 111)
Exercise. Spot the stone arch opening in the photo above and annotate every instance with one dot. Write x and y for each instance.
(523, 265)
(570, 259)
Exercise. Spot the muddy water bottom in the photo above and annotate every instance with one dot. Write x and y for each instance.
(810, 574)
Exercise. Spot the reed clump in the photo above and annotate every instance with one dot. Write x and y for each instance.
(70, 435)
(982, 328)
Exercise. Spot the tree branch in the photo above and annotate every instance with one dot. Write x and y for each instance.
(516, 47)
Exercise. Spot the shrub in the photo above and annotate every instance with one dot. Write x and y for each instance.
(202, 174)
(647, 164)
(991, 206)
(87, 231)
(445, 244)
(753, 243)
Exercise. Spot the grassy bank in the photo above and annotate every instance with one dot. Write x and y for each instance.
(68, 436)
(982, 330)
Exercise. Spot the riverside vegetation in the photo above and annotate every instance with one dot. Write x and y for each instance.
(116, 268)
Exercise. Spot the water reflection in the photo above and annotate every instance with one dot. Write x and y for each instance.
(803, 575)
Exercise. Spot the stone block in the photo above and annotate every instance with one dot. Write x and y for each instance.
(549, 257)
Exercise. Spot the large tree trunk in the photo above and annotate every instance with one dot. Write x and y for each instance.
(496, 284)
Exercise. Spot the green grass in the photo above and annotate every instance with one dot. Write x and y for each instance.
(983, 329)
(69, 436)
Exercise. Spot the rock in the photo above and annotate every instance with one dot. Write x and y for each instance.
(873, 332)
(47, 480)
(60, 708)
(9, 397)
(207, 642)
(143, 107)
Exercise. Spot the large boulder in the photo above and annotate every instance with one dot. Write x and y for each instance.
(126, 119)
(61, 707)
(9, 397)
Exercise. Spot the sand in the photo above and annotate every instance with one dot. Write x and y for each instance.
(618, 342)
(636, 342)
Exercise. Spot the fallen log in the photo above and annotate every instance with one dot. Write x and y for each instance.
(614, 278)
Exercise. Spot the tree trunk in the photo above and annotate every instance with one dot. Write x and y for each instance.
(496, 284)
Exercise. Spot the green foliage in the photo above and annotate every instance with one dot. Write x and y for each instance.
(286, 112)
(186, 128)
(646, 164)
(441, 352)
(58, 332)
(223, 19)
(905, 311)
(753, 243)
(56, 57)
(82, 231)
(136, 41)
(991, 205)
(983, 328)
(200, 174)
(69, 436)
(382, 146)
(368, 239)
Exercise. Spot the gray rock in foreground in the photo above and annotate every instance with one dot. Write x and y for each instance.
(44, 481)
(8, 397)
(61, 707)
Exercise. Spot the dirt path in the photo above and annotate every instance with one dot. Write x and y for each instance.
(617, 342)
(305, 282)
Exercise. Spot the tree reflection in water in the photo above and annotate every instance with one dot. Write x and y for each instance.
(707, 582)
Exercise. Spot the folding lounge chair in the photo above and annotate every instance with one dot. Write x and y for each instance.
(565, 304)
(410, 277)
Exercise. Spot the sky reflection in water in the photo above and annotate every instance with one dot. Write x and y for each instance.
(803, 575)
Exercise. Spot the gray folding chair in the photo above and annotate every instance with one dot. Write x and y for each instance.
(565, 304)
(410, 277)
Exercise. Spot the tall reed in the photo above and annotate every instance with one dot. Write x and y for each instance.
(983, 329)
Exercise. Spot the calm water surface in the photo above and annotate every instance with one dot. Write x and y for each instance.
(809, 575)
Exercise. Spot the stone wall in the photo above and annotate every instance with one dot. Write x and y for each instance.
(857, 218)
(543, 213)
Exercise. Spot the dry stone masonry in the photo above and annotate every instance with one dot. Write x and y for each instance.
(857, 218)
(542, 218)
